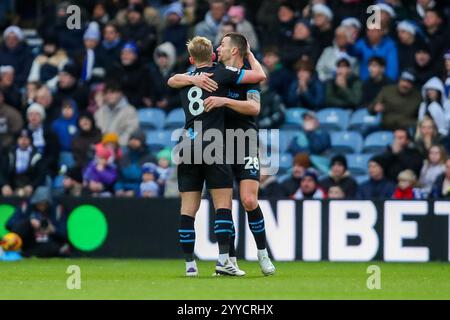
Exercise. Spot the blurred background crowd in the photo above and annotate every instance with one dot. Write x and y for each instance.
(362, 112)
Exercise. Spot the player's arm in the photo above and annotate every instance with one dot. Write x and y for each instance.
(255, 75)
(202, 80)
(249, 107)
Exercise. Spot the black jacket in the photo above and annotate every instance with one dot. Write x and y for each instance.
(272, 111)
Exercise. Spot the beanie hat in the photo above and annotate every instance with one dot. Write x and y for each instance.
(380, 160)
(15, 30)
(92, 32)
(339, 159)
(131, 46)
(165, 154)
(110, 137)
(150, 167)
(71, 69)
(139, 135)
(36, 107)
(312, 174)
(175, 8)
(322, 9)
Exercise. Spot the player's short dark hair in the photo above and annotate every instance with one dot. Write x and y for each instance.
(239, 41)
(113, 86)
(378, 60)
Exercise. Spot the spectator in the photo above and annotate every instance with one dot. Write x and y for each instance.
(65, 127)
(44, 97)
(447, 74)
(387, 15)
(406, 188)
(149, 188)
(164, 168)
(309, 187)
(210, 26)
(46, 65)
(376, 44)
(100, 14)
(353, 27)
(377, 80)
(426, 135)
(398, 103)
(117, 115)
(269, 186)
(139, 31)
(226, 27)
(433, 166)
(96, 98)
(110, 141)
(301, 46)
(99, 176)
(441, 187)
(69, 88)
(306, 91)
(435, 105)
(130, 165)
(92, 59)
(284, 28)
(29, 96)
(322, 30)
(290, 184)
(272, 111)
(318, 140)
(279, 76)
(41, 225)
(44, 140)
(402, 155)
(424, 67)
(111, 46)
(339, 176)
(236, 14)
(134, 78)
(435, 32)
(175, 31)
(10, 123)
(377, 187)
(326, 66)
(345, 90)
(407, 44)
(336, 192)
(151, 14)
(163, 68)
(16, 53)
(21, 170)
(11, 92)
(421, 7)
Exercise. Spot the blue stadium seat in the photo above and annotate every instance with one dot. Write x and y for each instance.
(321, 163)
(175, 119)
(287, 136)
(358, 163)
(333, 119)
(378, 141)
(151, 118)
(293, 118)
(346, 142)
(159, 139)
(285, 162)
(361, 119)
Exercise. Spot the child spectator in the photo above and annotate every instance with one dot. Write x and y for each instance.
(65, 127)
(433, 166)
(164, 169)
(111, 142)
(149, 188)
(406, 188)
(336, 192)
(99, 176)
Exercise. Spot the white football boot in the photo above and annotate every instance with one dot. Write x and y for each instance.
(266, 265)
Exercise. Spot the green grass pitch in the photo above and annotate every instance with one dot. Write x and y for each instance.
(163, 279)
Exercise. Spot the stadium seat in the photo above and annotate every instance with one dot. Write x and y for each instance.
(361, 119)
(361, 179)
(159, 139)
(346, 142)
(321, 163)
(378, 141)
(151, 118)
(333, 119)
(293, 118)
(175, 119)
(357, 163)
(287, 136)
(285, 162)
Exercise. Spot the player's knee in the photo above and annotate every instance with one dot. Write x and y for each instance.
(249, 202)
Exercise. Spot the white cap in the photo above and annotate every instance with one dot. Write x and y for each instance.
(406, 26)
(387, 8)
(36, 107)
(322, 9)
(14, 29)
(4, 69)
(351, 22)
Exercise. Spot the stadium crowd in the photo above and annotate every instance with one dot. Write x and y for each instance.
(362, 112)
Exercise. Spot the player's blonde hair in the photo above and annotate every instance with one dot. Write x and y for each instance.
(200, 49)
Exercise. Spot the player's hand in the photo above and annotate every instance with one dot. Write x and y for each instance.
(211, 103)
(204, 82)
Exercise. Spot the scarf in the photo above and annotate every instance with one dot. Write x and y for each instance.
(22, 159)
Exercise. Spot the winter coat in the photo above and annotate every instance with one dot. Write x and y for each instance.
(429, 174)
(349, 97)
(376, 189)
(143, 34)
(346, 183)
(45, 69)
(83, 146)
(399, 110)
(272, 111)
(372, 88)
(121, 119)
(439, 111)
(66, 129)
(408, 158)
(318, 141)
(10, 124)
(107, 177)
(436, 191)
(20, 59)
(326, 66)
(386, 49)
(312, 99)
(207, 28)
